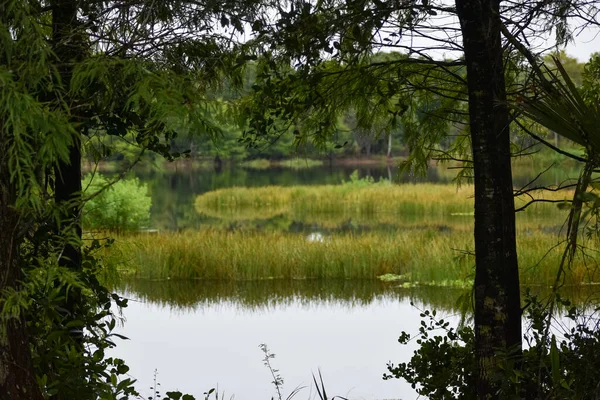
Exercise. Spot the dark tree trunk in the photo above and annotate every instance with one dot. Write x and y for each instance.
(497, 293)
(67, 45)
(17, 378)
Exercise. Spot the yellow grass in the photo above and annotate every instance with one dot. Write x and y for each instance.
(425, 256)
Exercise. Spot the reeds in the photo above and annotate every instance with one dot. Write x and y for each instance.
(428, 238)
(355, 199)
(419, 257)
(300, 163)
(293, 163)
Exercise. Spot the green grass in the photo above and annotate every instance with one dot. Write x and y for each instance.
(293, 163)
(429, 232)
(354, 200)
(335, 199)
(259, 163)
(425, 257)
(299, 163)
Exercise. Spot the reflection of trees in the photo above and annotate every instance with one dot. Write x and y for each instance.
(261, 295)
(258, 295)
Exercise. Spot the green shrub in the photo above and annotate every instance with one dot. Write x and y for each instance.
(549, 367)
(120, 206)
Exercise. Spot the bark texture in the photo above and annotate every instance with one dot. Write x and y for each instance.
(497, 293)
(17, 378)
(67, 45)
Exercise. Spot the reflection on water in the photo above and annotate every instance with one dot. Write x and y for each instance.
(270, 294)
(202, 334)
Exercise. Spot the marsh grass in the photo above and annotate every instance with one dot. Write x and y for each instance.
(259, 163)
(424, 257)
(292, 163)
(428, 241)
(299, 163)
(356, 199)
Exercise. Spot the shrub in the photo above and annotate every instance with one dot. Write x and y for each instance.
(550, 367)
(120, 206)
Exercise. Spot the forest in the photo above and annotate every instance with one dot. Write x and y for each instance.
(182, 181)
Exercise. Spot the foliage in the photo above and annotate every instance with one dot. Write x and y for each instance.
(140, 73)
(591, 80)
(69, 354)
(444, 366)
(550, 368)
(123, 205)
(558, 105)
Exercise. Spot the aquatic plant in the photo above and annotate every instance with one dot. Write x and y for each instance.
(424, 257)
(357, 199)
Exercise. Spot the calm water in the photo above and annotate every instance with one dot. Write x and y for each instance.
(203, 335)
(200, 335)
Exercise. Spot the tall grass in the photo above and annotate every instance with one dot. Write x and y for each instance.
(418, 257)
(429, 242)
(300, 163)
(362, 201)
(293, 163)
(335, 199)
(381, 197)
(259, 163)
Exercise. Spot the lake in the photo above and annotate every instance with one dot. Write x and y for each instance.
(200, 335)
(203, 334)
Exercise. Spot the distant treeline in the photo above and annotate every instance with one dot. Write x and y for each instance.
(352, 139)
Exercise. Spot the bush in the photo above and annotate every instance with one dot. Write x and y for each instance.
(551, 367)
(121, 206)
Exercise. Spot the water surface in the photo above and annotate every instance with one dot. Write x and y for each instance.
(200, 335)
(203, 335)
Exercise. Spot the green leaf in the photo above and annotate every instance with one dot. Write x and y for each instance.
(75, 324)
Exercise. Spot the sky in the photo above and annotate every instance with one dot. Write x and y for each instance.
(584, 45)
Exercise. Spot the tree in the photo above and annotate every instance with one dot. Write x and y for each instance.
(496, 288)
(70, 70)
(17, 380)
(331, 46)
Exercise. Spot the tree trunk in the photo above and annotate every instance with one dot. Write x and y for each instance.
(67, 45)
(497, 293)
(17, 378)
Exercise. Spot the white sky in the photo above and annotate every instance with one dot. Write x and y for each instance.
(584, 45)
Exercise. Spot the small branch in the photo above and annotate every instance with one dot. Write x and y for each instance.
(540, 201)
(550, 145)
(521, 191)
